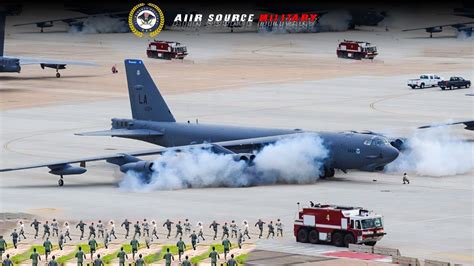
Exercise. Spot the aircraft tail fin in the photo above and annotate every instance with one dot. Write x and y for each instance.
(145, 98)
(2, 31)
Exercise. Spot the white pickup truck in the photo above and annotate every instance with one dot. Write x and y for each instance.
(425, 80)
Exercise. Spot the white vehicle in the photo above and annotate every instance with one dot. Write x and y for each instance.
(425, 80)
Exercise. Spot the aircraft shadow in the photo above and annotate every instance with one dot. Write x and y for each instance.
(428, 37)
(66, 186)
(7, 78)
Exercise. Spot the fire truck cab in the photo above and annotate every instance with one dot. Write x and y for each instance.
(356, 50)
(338, 225)
(166, 50)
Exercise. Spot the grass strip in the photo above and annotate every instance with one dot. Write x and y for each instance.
(19, 258)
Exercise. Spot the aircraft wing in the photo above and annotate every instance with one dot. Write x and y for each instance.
(122, 133)
(224, 147)
(456, 25)
(469, 124)
(39, 61)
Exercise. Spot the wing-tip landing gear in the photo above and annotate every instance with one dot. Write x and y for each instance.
(61, 181)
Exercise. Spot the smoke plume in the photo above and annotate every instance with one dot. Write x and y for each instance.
(101, 24)
(295, 159)
(435, 152)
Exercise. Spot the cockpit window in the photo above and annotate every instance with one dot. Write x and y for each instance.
(368, 142)
(380, 141)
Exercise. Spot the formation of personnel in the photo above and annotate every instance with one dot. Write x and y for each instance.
(122, 256)
(141, 229)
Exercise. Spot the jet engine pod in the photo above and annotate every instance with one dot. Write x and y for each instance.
(399, 144)
(66, 169)
(246, 157)
(145, 167)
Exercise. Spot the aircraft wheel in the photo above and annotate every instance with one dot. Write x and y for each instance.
(58, 75)
(60, 182)
(331, 172)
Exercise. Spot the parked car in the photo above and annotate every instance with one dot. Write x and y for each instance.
(454, 82)
(425, 80)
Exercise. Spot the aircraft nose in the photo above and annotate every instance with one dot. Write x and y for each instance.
(391, 153)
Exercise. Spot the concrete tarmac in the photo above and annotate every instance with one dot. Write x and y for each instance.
(279, 81)
(419, 217)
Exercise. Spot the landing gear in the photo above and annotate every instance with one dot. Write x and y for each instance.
(58, 75)
(327, 172)
(61, 181)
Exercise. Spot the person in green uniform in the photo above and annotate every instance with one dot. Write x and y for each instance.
(227, 245)
(214, 256)
(7, 261)
(46, 230)
(80, 256)
(186, 262)
(106, 239)
(232, 261)
(14, 236)
(181, 247)
(140, 261)
(168, 224)
(260, 224)
(194, 239)
(35, 257)
(215, 227)
(92, 231)
(179, 230)
(35, 225)
(126, 225)
(271, 230)
(61, 240)
(225, 231)
(81, 226)
(93, 246)
(122, 257)
(240, 239)
(98, 261)
(53, 261)
(137, 230)
(48, 246)
(135, 245)
(3, 246)
(168, 257)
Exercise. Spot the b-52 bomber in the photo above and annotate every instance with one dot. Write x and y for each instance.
(153, 122)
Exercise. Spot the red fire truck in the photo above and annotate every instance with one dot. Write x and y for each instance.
(338, 225)
(356, 50)
(166, 50)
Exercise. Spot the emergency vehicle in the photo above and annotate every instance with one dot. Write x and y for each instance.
(356, 50)
(338, 225)
(166, 50)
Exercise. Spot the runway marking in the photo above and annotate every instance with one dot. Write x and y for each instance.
(391, 97)
(6, 146)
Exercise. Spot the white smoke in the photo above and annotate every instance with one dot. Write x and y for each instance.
(337, 20)
(464, 35)
(295, 159)
(101, 24)
(435, 152)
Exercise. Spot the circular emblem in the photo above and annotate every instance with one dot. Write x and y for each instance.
(146, 19)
